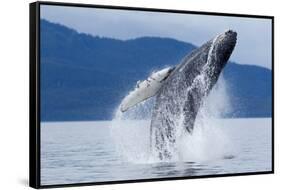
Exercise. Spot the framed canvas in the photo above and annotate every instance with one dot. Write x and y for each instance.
(123, 94)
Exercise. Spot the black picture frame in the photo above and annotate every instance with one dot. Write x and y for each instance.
(34, 92)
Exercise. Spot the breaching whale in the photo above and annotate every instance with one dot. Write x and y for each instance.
(180, 91)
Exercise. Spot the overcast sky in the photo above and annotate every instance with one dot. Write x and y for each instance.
(254, 35)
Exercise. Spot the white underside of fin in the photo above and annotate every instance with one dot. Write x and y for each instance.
(145, 89)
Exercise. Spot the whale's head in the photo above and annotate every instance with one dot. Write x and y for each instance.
(217, 53)
(207, 60)
(222, 47)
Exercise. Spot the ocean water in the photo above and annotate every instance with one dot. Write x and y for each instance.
(79, 152)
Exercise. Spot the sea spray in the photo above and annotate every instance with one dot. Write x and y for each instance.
(208, 140)
(131, 131)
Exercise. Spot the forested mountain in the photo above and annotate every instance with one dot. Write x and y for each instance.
(84, 77)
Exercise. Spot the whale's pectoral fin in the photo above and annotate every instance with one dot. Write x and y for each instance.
(146, 89)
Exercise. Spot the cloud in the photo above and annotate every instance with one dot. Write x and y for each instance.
(254, 34)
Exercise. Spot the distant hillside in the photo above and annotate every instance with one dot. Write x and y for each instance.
(85, 77)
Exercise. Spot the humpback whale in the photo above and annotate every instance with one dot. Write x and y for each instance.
(180, 91)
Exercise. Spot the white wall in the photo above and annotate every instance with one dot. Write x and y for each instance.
(14, 95)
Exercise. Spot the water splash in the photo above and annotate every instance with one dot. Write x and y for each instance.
(138, 141)
(131, 131)
(208, 140)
